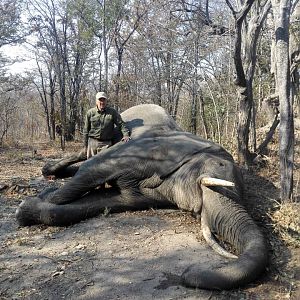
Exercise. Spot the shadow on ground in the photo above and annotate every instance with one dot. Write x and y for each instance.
(134, 255)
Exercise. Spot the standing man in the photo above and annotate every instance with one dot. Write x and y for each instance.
(99, 126)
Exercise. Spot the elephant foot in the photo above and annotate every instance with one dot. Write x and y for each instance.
(63, 168)
(39, 210)
(49, 171)
(35, 210)
(28, 213)
(31, 211)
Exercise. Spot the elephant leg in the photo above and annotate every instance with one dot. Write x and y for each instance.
(62, 168)
(35, 211)
(76, 188)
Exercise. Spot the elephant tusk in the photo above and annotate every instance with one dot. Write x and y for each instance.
(208, 236)
(210, 181)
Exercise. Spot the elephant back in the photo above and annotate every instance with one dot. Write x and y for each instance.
(146, 119)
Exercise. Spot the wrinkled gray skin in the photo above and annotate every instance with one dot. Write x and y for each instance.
(160, 167)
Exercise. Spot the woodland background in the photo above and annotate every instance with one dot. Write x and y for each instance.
(227, 71)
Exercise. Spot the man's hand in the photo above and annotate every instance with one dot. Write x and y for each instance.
(126, 139)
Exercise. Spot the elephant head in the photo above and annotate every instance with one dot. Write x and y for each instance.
(162, 166)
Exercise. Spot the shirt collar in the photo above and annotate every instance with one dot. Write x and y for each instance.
(101, 111)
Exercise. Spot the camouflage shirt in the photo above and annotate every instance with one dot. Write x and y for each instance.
(100, 124)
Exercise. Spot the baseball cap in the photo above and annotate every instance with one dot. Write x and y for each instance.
(101, 95)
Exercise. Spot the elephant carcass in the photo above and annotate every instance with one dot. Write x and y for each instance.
(162, 166)
(141, 120)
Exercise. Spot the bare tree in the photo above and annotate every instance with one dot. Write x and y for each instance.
(295, 54)
(245, 62)
(121, 39)
(7, 109)
(68, 42)
(51, 28)
(45, 84)
(281, 11)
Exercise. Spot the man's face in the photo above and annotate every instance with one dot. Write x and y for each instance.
(101, 103)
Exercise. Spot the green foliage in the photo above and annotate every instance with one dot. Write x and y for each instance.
(174, 51)
(115, 10)
(97, 16)
(10, 21)
(88, 18)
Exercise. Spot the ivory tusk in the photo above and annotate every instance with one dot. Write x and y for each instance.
(210, 181)
(211, 241)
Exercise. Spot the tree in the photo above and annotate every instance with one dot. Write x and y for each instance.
(126, 25)
(246, 37)
(100, 16)
(45, 84)
(67, 42)
(159, 56)
(281, 11)
(7, 109)
(81, 44)
(10, 22)
(295, 54)
(10, 30)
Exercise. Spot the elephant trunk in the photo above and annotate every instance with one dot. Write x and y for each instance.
(230, 221)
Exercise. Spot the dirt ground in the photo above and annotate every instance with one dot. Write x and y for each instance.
(132, 255)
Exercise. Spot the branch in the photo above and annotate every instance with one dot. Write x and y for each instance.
(241, 15)
(262, 147)
(202, 17)
(294, 5)
(239, 18)
(253, 35)
(231, 8)
(295, 63)
(264, 13)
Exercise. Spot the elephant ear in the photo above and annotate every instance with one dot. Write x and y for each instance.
(173, 152)
(170, 166)
(161, 159)
(160, 155)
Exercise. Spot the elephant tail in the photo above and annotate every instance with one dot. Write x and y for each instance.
(230, 221)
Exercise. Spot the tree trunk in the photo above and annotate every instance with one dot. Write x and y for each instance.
(203, 117)
(281, 11)
(245, 67)
(118, 76)
(194, 112)
(242, 84)
(295, 56)
(105, 49)
(245, 103)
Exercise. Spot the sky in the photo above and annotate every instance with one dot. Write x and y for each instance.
(19, 52)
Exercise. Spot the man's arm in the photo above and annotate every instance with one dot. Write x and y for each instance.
(121, 126)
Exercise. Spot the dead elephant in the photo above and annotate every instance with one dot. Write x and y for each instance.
(161, 166)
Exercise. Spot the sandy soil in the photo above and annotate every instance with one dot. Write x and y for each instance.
(133, 255)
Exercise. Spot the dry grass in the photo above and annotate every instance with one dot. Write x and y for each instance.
(280, 221)
(286, 223)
